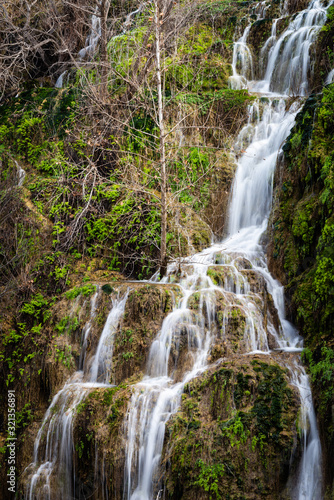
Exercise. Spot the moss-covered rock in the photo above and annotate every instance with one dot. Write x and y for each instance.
(234, 435)
(99, 438)
(300, 250)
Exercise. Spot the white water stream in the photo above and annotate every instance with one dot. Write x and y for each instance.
(158, 396)
(21, 174)
(52, 474)
(94, 36)
(181, 349)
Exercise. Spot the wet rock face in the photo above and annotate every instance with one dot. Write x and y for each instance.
(300, 243)
(235, 401)
(234, 398)
(146, 307)
(234, 434)
(99, 453)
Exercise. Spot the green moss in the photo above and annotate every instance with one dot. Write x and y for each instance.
(67, 324)
(107, 289)
(84, 290)
(303, 225)
(273, 395)
(322, 372)
(211, 445)
(242, 389)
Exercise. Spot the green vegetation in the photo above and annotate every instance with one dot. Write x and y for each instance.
(322, 372)
(212, 445)
(89, 211)
(235, 432)
(64, 355)
(304, 240)
(25, 342)
(209, 476)
(23, 418)
(85, 291)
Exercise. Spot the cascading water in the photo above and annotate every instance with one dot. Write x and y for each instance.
(189, 332)
(330, 77)
(158, 395)
(52, 474)
(309, 484)
(289, 63)
(21, 174)
(92, 40)
(288, 58)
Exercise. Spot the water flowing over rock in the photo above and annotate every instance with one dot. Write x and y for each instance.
(52, 471)
(228, 306)
(21, 174)
(288, 65)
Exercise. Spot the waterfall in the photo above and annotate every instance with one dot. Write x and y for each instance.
(54, 447)
(242, 58)
(158, 395)
(21, 174)
(289, 62)
(192, 330)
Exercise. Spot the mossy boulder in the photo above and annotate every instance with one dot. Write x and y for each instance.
(99, 438)
(234, 434)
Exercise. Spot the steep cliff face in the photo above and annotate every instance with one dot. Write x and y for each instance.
(300, 251)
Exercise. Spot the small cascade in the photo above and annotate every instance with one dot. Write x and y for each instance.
(93, 38)
(257, 165)
(309, 479)
(101, 367)
(330, 77)
(242, 63)
(52, 474)
(86, 331)
(289, 63)
(21, 174)
(268, 47)
(60, 80)
(57, 444)
(128, 21)
(260, 9)
(287, 56)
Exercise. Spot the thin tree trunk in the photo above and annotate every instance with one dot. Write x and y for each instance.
(163, 249)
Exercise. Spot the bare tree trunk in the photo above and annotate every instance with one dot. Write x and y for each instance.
(163, 249)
